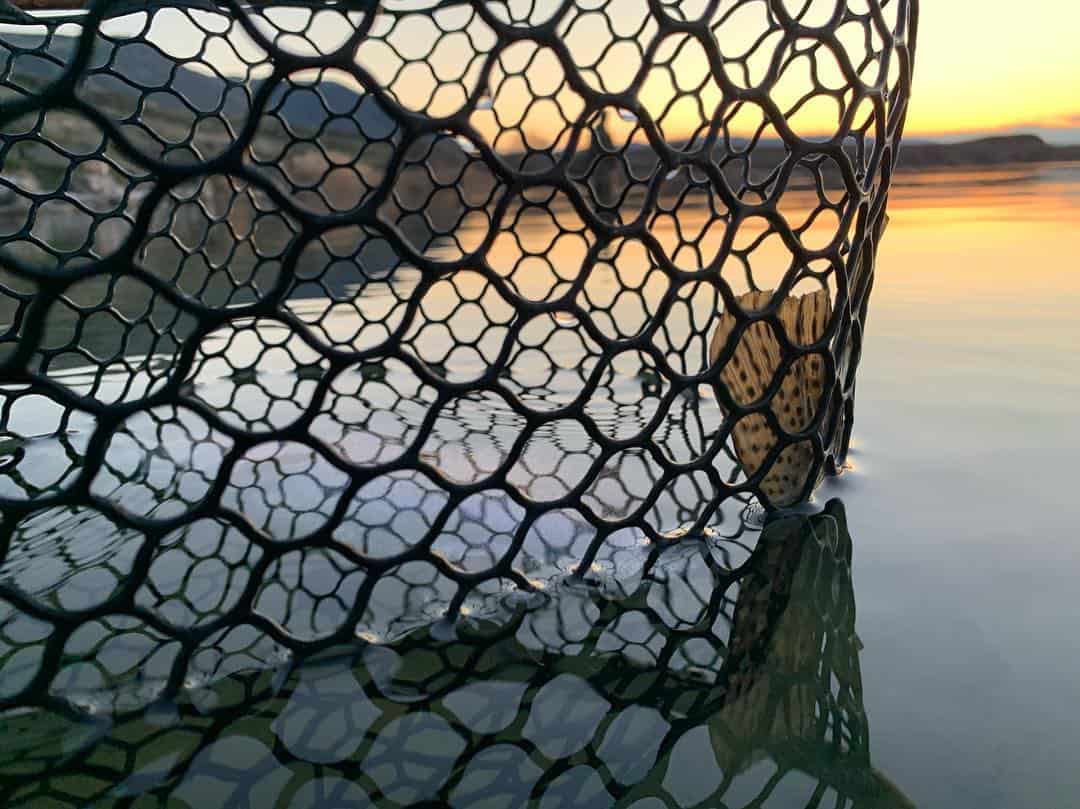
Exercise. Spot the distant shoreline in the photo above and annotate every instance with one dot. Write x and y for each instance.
(994, 151)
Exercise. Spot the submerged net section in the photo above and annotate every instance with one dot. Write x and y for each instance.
(694, 685)
(321, 321)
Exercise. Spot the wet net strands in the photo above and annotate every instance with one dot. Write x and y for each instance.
(308, 308)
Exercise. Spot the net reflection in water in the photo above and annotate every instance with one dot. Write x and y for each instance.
(699, 682)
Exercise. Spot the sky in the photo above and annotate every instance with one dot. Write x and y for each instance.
(982, 66)
(987, 65)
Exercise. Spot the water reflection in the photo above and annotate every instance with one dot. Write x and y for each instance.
(165, 462)
(208, 547)
(716, 676)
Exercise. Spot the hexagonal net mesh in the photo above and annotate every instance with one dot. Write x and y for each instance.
(692, 685)
(325, 320)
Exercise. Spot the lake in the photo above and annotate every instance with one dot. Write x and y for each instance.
(914, 643)
(962, 504)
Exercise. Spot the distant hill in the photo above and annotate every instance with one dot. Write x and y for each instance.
(985, 152)
(994, 151)
(135, 68)
(132, 65)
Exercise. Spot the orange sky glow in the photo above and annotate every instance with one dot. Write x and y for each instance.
(981, 67)
(996, 66)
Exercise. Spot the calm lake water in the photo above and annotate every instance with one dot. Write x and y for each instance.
(963, 504)
(922, 650)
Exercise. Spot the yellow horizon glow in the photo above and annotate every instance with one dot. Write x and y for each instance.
(996, 66)
(980, 67)
(992, 66)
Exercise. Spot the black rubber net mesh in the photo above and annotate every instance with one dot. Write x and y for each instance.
(694, 684)
(320, 324)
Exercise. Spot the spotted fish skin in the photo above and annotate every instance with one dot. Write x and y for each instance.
(752, 368)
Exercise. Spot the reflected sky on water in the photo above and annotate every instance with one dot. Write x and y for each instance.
(963, 499)
(960, 502)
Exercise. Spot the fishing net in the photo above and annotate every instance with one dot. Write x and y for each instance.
(322, 321)
(695, 685)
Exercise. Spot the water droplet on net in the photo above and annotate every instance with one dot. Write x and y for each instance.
(466, 145)
(566, 318)
(485, 102)
(88, 706)
(675, 534)
(629, 116)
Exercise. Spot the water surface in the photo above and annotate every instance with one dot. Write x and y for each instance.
(963, 500)
(959, 675)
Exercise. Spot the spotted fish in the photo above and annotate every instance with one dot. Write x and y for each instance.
(752, 368)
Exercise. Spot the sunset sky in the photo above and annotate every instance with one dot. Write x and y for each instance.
(994, 65)
(982, 67)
